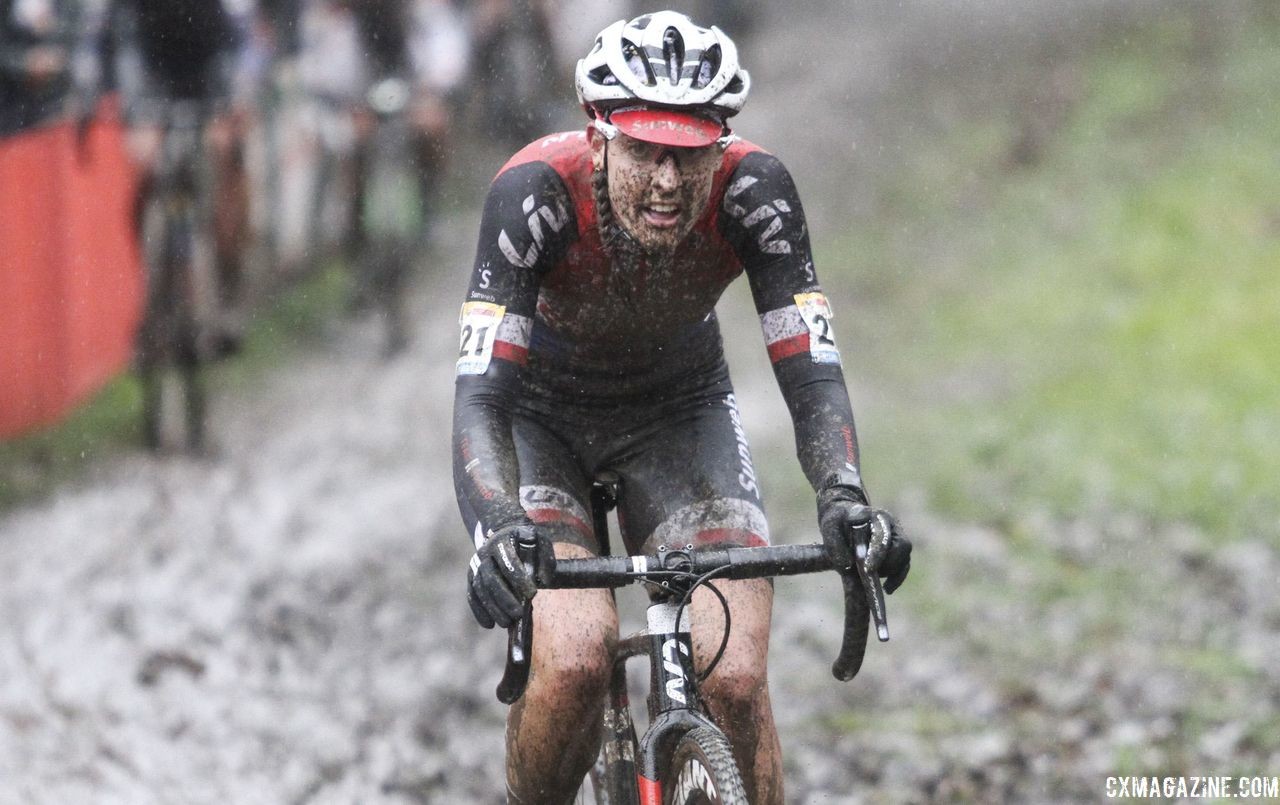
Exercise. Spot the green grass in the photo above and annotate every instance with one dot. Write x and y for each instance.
(34, 464)
(1099, 331)
(111, 421)
(297, 317)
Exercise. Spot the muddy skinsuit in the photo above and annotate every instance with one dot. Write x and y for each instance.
(575, 360)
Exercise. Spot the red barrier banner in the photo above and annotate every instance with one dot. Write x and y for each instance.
(70, 278)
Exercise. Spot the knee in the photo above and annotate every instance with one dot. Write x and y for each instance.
(737, 685)
(583, 668)
(575, 635)
(739, 680)
(568, 674)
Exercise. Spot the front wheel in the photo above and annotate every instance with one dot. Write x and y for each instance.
(702, 771)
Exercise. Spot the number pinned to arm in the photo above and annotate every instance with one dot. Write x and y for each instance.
(816, 312)
(479, 322)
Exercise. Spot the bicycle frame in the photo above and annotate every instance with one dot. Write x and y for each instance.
(176, 190)
(674, 704)
(630, 770)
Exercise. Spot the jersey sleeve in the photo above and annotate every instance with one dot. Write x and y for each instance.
(526, 227)
(763, 221)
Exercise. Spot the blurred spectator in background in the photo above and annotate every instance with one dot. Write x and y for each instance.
(347, 46)
(282, 19)
(37, 47)
(425, 43)
(514, 51)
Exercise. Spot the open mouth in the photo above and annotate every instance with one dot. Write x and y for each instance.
(662, 216)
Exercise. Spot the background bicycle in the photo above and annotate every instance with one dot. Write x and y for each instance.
(175, 338)
(390, 210)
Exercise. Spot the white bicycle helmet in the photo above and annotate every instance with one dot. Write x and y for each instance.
(664, 76)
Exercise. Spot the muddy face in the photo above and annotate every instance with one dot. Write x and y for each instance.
(657, 191)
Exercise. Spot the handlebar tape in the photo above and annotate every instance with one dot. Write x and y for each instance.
(856, 620)
(863, 601)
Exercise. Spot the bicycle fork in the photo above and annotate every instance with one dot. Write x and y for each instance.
(674, 704)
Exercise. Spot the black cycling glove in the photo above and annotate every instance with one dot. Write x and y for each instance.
(499, 584)
(844, 514)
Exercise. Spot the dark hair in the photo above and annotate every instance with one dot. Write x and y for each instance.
(604, 210)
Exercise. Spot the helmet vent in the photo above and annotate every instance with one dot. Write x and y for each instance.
(604, 76)
(673, 53)
(708, 66)
(638, 64)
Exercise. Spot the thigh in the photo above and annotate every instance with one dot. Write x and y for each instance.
(574, 635)
(740, 671)
(690, 480)
(554, 490)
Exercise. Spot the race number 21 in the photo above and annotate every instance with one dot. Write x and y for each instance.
(479, 322)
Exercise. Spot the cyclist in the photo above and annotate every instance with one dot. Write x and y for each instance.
(590, 344)
(165, 51)
(347, 48)
(37, 51)
(424, 42)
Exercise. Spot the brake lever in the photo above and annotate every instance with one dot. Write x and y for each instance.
(874, 590)
(515, 677)
(864, 600)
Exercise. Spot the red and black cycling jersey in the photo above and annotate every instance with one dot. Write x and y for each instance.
(555, 323)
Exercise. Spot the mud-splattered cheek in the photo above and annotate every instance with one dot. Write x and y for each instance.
(627, 189)
(630, 188)
(694, 197)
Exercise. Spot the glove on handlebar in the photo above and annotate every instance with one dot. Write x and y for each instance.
(844, 515)
(499, 583)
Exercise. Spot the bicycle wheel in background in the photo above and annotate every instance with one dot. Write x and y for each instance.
(188, 347)
(606, 785)
(702, 771)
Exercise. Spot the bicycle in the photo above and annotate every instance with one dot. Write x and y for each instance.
(174, 223)
(391, 210)
(683, 758)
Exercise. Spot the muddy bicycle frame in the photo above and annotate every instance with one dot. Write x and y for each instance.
(629, 770)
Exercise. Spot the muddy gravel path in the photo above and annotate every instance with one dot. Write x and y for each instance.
(283, 622)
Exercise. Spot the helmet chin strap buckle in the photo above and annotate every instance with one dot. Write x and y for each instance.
(606, 129)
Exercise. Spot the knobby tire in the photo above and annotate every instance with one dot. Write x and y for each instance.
(702, 772)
